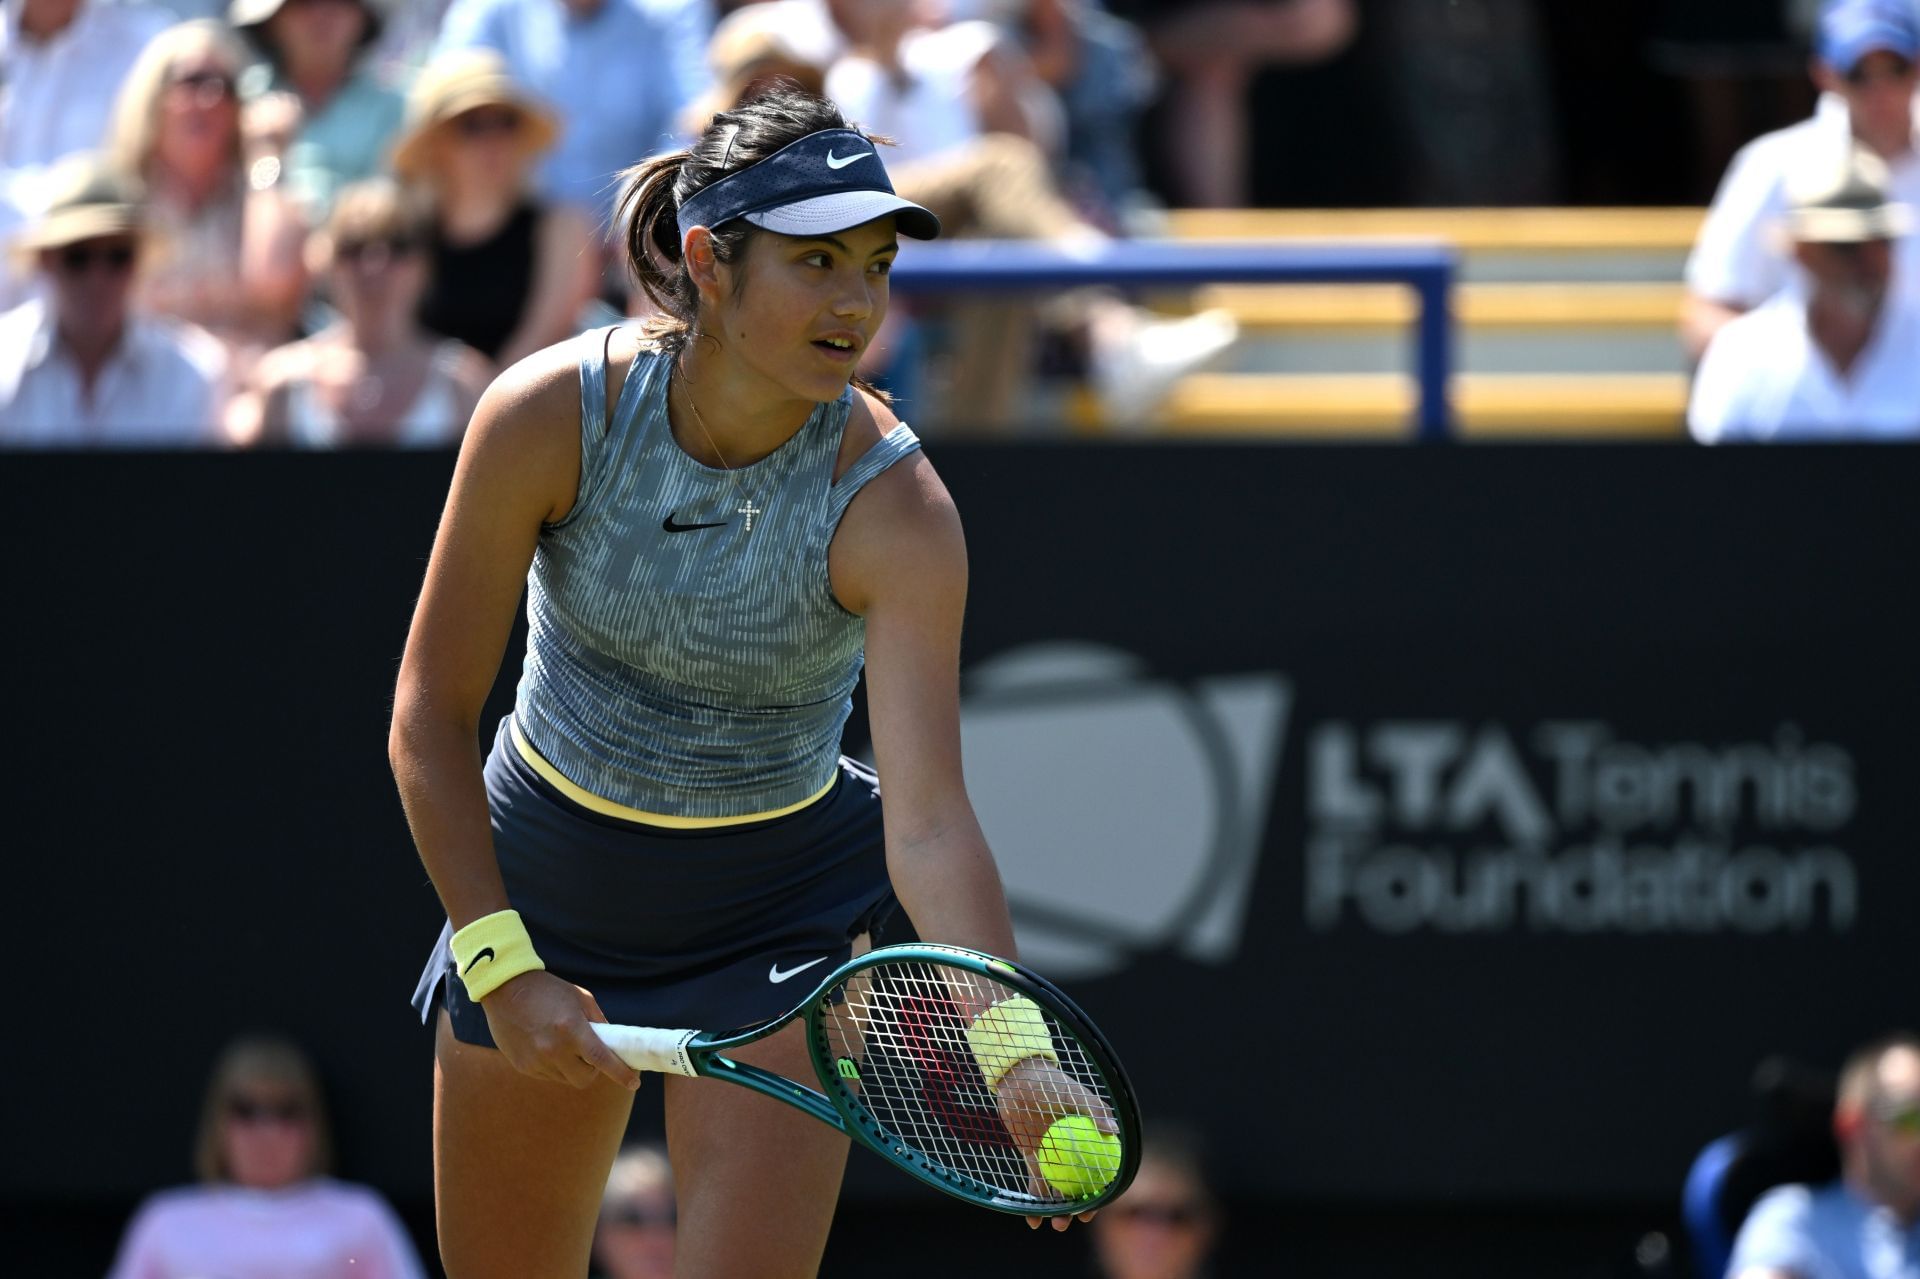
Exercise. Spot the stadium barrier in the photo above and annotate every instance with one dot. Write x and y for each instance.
(998, 266)
(1508, 802)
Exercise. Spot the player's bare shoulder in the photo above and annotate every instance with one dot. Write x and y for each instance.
(527, 424)
(908, 495)
(902, 523)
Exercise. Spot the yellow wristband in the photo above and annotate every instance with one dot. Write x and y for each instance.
(1006, 1034)
(492, 951)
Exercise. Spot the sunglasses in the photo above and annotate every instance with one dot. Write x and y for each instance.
(377, 250)
(1891, 71)
(204, 86)
(1176, 1216)
(1902, 1117)
(639, 1216)
(484, 121)
(253, 1110)
(78, 259)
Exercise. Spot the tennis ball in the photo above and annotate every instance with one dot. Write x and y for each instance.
(1078, 1159)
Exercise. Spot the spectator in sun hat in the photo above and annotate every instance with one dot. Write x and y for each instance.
(64, 61)
(316, 71)
(619, 73)
(510, 269)
(1865, 54)
(1836, 353)
(81, 365)
(756, 47)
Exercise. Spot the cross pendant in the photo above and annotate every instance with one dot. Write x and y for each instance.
(750, 510)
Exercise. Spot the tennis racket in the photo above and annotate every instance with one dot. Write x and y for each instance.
(974, 1074)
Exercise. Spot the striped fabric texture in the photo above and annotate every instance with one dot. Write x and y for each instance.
(679, 662)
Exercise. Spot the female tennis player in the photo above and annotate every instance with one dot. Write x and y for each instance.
(713, 528)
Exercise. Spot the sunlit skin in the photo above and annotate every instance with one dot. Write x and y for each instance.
(274, 1146)
(43, 18)
(771, 317)
(199, 124)
(482, 162)
(1879, 96)
(1881, 1155)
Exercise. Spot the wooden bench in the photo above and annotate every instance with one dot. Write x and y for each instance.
(1377, 307)
(1380, 406)
(1469, 230)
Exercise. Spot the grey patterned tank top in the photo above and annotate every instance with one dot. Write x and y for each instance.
(678, 662)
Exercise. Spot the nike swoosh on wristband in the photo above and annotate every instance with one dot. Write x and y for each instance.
(842, 161)
(671, 527)
(486, 953)
(775, 976)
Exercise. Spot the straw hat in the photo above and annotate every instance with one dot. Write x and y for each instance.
(84, 199)
(455, 84)
(744, 44)
(1842, 198)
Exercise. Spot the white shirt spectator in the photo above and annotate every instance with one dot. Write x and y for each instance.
(161, 388)
(932, 111)
(1764, 378)
(57, 95)
(318, 1229)
(1737, 258)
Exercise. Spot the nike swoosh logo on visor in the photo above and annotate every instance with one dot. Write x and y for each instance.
(842, 161)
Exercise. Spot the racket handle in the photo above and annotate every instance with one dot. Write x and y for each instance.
(650, 1047)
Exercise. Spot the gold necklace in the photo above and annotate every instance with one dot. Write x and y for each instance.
(749, 509)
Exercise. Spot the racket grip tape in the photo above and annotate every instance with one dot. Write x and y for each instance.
(650, 1047)
(1007, 1033)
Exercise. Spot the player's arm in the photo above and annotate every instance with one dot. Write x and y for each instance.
(518, 468)
(899, 560)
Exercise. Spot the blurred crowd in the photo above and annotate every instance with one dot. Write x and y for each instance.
(316, 223)
(266, 1205)
(1803, 290)
(328, 223)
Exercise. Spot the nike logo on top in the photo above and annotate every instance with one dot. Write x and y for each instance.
(671, 527)
(775, 976)
(486, 952)
(842, 161)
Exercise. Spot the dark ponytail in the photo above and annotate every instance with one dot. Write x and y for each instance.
(653, 191)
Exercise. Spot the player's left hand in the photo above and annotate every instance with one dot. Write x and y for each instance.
(1031, 1097)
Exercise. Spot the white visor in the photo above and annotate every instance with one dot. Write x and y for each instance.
(838, 210)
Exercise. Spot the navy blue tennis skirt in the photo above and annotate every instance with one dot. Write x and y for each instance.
(706, 929)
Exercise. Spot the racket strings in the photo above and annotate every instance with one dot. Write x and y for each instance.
(900, 1033)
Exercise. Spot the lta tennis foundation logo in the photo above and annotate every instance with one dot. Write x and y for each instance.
(1126, 811)
(1460, 828)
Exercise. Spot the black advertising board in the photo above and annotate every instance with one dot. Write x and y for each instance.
(1429, 825)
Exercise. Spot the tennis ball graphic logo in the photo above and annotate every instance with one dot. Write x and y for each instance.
(1072, 747)
(1077, 1159)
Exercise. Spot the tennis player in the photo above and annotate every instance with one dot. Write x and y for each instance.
(719, 529)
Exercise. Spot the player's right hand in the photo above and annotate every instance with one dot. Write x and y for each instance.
(540, 1022)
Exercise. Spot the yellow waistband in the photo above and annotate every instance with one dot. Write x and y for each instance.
(607, 808)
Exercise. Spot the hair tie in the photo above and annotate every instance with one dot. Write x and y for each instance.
(731, 139)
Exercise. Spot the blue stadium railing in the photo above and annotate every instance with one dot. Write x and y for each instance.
(1005, 266)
